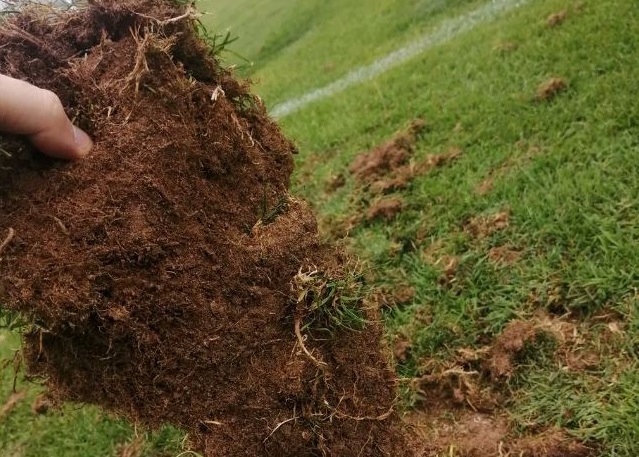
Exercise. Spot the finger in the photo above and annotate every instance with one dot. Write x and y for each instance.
(38, 114)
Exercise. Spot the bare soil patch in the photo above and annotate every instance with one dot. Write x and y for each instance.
(504, 255)
(12, 402)
(390, 167)
(557, 19)
(461, 402)
(484, 225)
(381, 161)
(385, 208)
(402, 348)
(41, 405)
(403, 294)
(552, 443)
(475, 434)
(501, 360)
(387, 169)
(550, 89)
(160, 270)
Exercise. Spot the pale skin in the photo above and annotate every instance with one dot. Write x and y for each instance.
(38, 115)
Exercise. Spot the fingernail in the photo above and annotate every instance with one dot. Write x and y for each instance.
(82, 141)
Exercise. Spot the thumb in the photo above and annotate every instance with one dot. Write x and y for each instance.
(38, 114)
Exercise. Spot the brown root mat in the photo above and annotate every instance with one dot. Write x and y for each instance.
(170, 277)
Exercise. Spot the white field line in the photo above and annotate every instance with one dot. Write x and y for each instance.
(448, 30)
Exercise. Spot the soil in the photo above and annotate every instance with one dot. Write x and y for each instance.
(501, 360)
(557, 19)
(504, 255)
(158, 272)
(379, 175)
(41, 405)
(402, 348)
(553, 443)
(402, 294)
(462, 404)
(474, 434)
(550, 89)
(12, 402)
(390, 167)
(382, 160)
(482, 226)
(385, 209)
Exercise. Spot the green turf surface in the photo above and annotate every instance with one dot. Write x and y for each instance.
(296, 45)
(565, 171)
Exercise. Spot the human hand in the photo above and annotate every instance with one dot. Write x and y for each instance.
(39, 115)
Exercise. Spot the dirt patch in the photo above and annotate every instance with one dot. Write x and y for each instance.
(41, 405)
(501, 358)
(574, 347)
(485, 186)
(551, 89)
(460, 407)
(12, 402)
(557, 19)
(504, 255)
(335, 182)
(474, 434)
(160, 270)
(458, 387)
(469, 434)
(403, 294)
(392, 296)
(553, 443)
(385, 209)
(391, 167)
(483, 226)
(384, 159)
(401, 177)
(402, 348)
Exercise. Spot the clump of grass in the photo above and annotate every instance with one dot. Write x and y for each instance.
(219, 42)
(268, 215)
(11, 320)
(330, 303)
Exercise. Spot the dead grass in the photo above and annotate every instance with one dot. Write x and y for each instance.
(131, 449)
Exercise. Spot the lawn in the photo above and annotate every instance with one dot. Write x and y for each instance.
(533, 225)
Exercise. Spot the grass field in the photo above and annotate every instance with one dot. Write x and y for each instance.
(535, 223)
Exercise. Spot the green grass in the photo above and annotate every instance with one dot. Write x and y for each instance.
(296, 45)
(72, 431)
(330, 304)
(564, 170)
